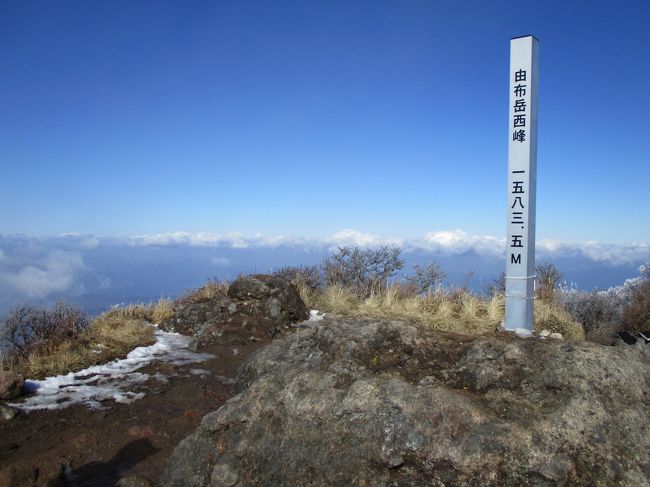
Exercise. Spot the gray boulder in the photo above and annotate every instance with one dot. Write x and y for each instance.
(257, 306)
(361, 402)
(271, 298)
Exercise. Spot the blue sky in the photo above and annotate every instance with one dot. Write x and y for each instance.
(147, 146)
(306, 118)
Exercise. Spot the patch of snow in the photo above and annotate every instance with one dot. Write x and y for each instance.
(224, 380)
(110, 381)
(199, 372)
(523, 332)
(314, 315)
(160, 377)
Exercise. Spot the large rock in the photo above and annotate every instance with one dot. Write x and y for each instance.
(11, 385)
(360, 402)
(255, 306)
(270, 297)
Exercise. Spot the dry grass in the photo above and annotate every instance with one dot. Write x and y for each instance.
(67, 357)
(458, 311)
(552, 316)
(207, 292)
(152, 312)
(110, 336)
(6, 362)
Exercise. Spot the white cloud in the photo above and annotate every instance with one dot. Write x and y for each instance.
(454, 242)
(614, 254)
(205, 239)
(56, 273)
(443, 242)
(354, 238)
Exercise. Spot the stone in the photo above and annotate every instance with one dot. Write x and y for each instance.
(544, 333)
(223, 475)
(7, 413)
(523, 333)
(368, 402)
(278, 297)
(556, 336)
(258, 306)
(11, 385)
(133, 481)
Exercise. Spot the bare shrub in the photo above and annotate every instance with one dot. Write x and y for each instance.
(548, 280)
(364, 271)
(30, 329)
(426, 279)
(308, 276)
(497, 286)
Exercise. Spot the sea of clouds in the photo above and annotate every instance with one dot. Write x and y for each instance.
(97, 272)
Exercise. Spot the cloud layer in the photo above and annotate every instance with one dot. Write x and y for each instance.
(445, 242)
(45, 269)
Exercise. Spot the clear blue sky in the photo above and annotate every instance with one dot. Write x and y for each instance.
(304, 118)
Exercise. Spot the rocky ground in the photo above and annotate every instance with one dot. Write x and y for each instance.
(85, 447)
(130, 443)
(350, 401)
(372, 403)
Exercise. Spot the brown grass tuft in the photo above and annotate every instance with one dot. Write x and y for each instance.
(458, 310)
(111, 335)
(207, 292)
(553, 317)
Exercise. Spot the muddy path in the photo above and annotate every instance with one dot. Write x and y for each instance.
(80, 446)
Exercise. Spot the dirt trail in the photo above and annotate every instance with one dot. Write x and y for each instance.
(97, 448)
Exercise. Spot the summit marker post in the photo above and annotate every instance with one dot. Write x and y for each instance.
(522, 178)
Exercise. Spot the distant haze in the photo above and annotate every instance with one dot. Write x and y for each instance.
(96, 273)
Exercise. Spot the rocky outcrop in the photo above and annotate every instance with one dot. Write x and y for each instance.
(255, 306)
(11, 385)
(361, 402)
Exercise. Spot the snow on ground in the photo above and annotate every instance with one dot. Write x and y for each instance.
(111, 381)
(314, 315)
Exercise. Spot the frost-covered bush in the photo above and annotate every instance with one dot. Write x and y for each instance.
(644, 270)
(636, 312)
(604, 313)
(599, 313)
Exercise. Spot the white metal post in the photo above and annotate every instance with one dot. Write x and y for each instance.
(522, 176)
